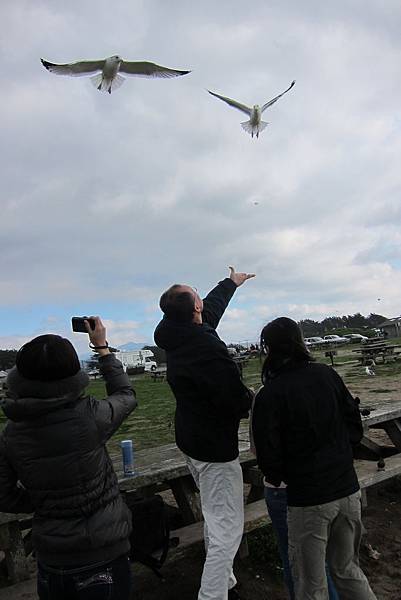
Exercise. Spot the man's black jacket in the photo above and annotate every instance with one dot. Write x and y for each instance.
(305, 422)
(211, 398)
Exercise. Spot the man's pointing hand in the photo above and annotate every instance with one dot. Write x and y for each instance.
(239, 278)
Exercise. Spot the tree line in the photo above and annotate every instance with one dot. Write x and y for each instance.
(309, 327)
(7, 359)
(355, 322)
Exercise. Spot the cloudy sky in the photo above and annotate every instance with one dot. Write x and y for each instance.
(106, 200)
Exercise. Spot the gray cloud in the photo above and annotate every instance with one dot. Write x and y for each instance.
(158, 182)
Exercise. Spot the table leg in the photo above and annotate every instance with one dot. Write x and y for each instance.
(255, 493)
(367, 449)
(364, 498)
(13, 545)
(187, 498)
(393, 430)
(243, 550)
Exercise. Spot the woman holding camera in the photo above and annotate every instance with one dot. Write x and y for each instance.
(54, 463)
(305, 422)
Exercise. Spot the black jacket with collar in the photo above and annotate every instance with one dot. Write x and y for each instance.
(54, 443)
(211, 398)
(304, 423)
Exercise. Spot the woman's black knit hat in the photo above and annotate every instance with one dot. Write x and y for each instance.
(47, 358)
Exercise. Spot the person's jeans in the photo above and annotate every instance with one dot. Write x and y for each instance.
(110, 581)
(276, 501)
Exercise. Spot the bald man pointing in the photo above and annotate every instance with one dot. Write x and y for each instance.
(211, 400)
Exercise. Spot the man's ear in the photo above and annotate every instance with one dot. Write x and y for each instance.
(197, 306)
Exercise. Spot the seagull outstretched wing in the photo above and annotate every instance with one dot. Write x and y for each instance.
(76, 69)
(242, 107)
(149, 69)
(277, 97)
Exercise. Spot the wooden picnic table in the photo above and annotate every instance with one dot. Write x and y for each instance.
(386, 416)
(158, 374)
(164, 468)
(381, 350)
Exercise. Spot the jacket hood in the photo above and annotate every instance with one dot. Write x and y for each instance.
(27, 399)
(170, 334)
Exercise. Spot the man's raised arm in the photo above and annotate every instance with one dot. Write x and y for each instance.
(218, 298)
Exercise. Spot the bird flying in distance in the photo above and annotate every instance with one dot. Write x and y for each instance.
(255, 124)
(106, 72)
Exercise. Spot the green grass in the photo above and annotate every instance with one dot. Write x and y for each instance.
(152, 423)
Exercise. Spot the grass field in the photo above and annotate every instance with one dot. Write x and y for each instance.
(152, 423)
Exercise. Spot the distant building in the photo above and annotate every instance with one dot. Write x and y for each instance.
(391, 327)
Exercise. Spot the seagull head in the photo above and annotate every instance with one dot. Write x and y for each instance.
(115, 59)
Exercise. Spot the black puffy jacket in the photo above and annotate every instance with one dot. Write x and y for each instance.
(211, 398)
(54, 445)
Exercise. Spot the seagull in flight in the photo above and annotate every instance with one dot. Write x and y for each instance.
(255, 124)
(107, 71)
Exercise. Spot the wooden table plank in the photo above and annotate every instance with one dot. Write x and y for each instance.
(369, 474)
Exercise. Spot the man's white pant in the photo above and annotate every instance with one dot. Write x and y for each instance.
(221, 494)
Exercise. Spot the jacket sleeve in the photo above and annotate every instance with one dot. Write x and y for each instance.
(217, 301)
(120, 401)
(13, 498)
(350, 411)
(266, 428)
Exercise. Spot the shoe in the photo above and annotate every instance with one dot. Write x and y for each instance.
(233, 594)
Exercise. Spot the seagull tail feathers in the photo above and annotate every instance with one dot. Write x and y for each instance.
(97, 81)
(118, 81)
(107, 85)
(254, 130)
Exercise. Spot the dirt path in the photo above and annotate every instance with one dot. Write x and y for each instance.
(260, 577)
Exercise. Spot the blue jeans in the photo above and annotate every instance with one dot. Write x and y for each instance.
(110, 581)
(276, 501)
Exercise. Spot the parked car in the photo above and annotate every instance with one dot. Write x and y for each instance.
(336, 339)
(356, 338)
(315, 341)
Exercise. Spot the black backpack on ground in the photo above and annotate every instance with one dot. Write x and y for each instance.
(150, 538)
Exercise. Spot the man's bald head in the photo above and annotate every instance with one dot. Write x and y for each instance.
(181, 303)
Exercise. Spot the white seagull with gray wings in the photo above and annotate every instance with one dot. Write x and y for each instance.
(107, 71)
(255, 124)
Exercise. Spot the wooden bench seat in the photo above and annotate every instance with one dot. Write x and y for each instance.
(255, 517)
(11, 526)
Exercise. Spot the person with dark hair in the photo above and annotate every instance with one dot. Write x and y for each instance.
(54, 464)
(305, 422)
(210, 401)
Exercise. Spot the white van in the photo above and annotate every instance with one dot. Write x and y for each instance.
(137, 358)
